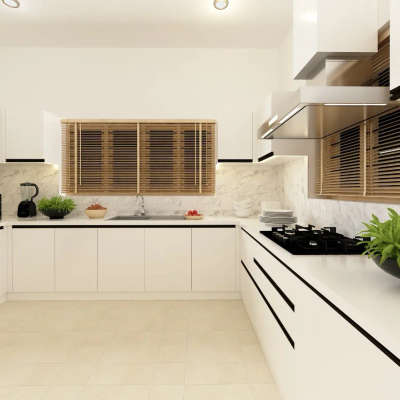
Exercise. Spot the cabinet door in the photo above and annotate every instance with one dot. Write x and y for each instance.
(213, 259)
(121, 259)
(395, 45)
(3, 264)
(168, 259)
(76, 259)
(335, 361)
(33, 260)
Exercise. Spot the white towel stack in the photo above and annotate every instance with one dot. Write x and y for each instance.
(277, 217)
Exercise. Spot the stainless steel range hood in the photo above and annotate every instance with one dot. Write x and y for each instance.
(314, 112)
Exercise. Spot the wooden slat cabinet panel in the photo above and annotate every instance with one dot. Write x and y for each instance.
(121, 259)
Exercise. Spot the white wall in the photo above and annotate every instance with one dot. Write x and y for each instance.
(222, 84)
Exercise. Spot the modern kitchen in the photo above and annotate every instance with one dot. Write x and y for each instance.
(199, 200)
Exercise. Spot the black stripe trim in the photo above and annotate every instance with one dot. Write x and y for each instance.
(284, 330)
(265, 156)
(233, 160)
(20, 160)
(395, 93)
(275, 285)
(122, 226)
(360, 329)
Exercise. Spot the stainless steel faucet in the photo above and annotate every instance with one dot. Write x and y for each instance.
(140, 204)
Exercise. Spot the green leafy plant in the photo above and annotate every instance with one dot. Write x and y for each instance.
(385, 237)
(56, 203)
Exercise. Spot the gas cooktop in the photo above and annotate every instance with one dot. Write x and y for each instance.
(308, 240)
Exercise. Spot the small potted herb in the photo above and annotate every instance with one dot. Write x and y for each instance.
(384, 244)
(57, 207)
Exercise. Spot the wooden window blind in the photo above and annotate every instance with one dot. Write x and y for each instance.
(363, 161)
(139, 157)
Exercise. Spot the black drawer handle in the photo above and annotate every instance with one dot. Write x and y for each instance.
(275, 285)
(284, 330)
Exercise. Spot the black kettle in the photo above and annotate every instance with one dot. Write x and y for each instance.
(27, 207)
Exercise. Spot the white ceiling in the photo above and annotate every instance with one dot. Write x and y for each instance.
(145, 23)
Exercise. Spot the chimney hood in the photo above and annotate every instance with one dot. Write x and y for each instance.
(313, 112)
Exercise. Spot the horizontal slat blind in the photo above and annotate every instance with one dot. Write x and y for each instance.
(152, 158)
(362, 162)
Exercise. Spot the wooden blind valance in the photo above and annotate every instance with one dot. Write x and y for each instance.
(363, 161)
(128, 157)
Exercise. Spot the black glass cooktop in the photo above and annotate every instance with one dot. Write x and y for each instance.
(308, 240)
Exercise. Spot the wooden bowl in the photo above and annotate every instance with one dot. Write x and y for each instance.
(193, 217)
(96, 213)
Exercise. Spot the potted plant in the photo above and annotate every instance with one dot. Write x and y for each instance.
(57, 207)
(384, 244)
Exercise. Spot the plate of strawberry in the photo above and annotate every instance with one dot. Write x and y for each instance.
(193, 214)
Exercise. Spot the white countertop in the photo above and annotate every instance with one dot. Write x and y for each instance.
(368, 295)
(40, 220)
(354, 283)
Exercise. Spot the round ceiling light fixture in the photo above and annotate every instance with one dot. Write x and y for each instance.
(221, 4)
(11, 3)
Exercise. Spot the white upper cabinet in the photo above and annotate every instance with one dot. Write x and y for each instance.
(24, 134)
(3, 265)
(338, 29)
(2, 135)
(395, 46)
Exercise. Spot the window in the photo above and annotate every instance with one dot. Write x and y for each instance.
(362, 162)
(146, 157)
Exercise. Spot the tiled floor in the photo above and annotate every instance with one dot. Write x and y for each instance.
(166, 350)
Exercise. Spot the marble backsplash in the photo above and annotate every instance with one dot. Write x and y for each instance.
(233, 182)
(347, 216)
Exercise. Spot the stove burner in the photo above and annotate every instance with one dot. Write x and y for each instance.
(308, 240)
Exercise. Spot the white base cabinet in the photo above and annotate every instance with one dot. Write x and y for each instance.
(121, 259)
(168, 259)
(33, 260)
(3, 265)
(76, 259)
(213, 259)
(335, 361)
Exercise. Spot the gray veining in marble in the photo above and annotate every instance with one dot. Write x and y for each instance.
(233, 182)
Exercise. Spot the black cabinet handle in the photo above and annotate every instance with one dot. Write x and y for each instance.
(275, 285)
(283, 328)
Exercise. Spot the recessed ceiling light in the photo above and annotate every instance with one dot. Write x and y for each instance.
(11, 3)
(221, 4)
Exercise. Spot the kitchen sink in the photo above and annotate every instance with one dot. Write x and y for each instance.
(145, 217)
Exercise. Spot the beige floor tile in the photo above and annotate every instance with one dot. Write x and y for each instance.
(258, 372)
(264, 392)
(14, 374)
(166, 392)
(65, 393)
(122, 374)
(23, 393)
(218, 392)
(168, 374)
(215, 373)
(252, 353)
(116, 392)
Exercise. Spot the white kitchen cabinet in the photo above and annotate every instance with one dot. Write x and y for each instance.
(76, 259)
(24, 134)
(335, 361)
(340, 29)
(168, 259)
(3, 264)
(2, 135)
(213, 259)
(33, 260)
(395, 46)
(235, 138)
(121, 259)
